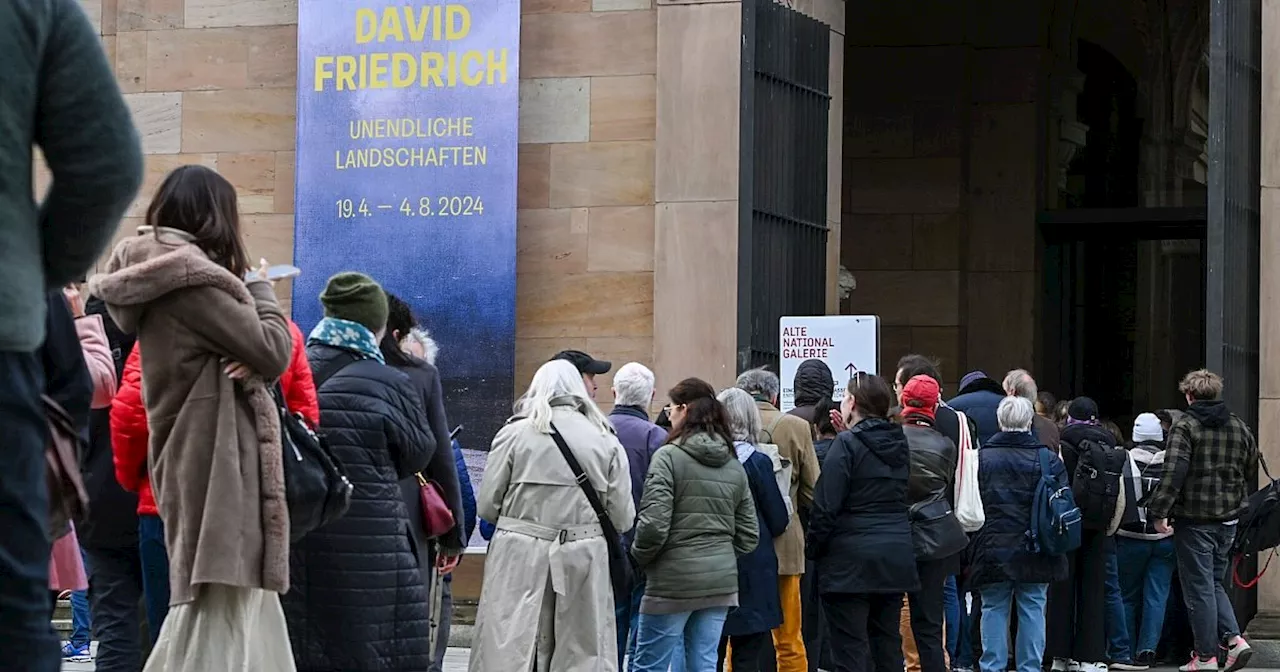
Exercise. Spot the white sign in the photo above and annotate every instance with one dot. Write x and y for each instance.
(846, 343)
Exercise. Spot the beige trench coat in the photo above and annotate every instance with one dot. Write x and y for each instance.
(546, 605)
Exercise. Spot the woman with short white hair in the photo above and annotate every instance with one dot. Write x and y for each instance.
(547, 593)
(749, 628)
(1007, 574)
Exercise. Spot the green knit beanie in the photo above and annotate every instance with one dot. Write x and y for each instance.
(355, 297)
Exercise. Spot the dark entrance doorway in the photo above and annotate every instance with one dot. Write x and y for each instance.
(1123, 305)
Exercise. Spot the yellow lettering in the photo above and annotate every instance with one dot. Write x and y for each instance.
(391, 28)
(378, 70)
(417, 26)
(436, 32)
(498, 67)
(324, 71)
(366, 25)
(452, 59)
(364, 70)
(404, 70)
(432, 67)
(346, 75)
(458, 23)
(472, 77)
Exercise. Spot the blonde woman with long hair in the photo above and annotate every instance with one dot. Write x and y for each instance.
(547, 602)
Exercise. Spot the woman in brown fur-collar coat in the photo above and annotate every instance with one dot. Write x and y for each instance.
(213, 344)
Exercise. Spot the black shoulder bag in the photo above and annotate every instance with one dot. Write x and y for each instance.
(316, 486)
(620, 571)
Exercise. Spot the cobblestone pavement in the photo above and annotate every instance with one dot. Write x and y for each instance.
(454, 661)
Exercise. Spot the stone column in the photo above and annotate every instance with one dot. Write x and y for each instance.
(696, 190)
(1266, 624)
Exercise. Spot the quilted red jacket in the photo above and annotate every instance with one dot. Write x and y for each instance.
(129, 433)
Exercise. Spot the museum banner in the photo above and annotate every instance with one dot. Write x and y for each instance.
(406, 170)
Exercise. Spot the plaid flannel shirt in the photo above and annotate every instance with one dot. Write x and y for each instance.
(1209, 472)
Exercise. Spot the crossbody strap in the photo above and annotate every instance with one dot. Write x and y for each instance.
(585, 483)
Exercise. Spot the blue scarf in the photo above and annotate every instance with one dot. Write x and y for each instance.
(350, 336)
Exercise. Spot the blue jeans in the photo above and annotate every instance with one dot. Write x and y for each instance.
(155, 572)
(81, 623)
(1202, 564)
(965, 656)
(997, 600)
(27, 639)
(1146, 574)
(628, 615)
(951, 615)
(658, 640)
(1119, 648)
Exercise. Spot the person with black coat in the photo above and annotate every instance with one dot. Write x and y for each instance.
(441, 470)
(932, 481)
(1077, 605)
(813, 383)
(109, 531)
(859, 531)
(358, 600)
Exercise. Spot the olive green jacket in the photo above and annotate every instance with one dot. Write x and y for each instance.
(696, 517)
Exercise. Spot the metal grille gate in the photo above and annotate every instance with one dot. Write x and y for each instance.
(1235, 83)
(782, 230)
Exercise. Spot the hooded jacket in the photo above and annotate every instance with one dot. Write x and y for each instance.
(216, 460)
(859, 531)
(1146, 459)
(1210, 466)
(813, 383)
(759, 604)
(696, 517)
(979, 400)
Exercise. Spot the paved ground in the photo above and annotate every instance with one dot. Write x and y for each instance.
(454, 661)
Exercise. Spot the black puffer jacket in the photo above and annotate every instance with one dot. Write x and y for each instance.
(358, 600)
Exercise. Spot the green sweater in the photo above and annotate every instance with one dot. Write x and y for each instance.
(57, 91)
(696, 517)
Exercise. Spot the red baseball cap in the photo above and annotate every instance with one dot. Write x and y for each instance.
(920, 396)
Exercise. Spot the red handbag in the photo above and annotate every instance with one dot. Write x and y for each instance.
(437, 517)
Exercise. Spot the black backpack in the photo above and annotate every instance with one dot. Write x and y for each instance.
(316, 486)
(1097, 483)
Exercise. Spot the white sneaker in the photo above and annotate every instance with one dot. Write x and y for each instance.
(1092, 667)
(1238, 655)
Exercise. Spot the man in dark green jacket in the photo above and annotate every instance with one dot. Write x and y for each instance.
(58, 93)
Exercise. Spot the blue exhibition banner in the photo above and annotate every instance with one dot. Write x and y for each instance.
(406, 170)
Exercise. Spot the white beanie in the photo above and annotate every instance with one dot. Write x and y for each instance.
(1146, 427)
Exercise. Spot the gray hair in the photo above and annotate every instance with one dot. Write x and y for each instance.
(1019, 383)
(422, 337)
(760, 382)
(633, 385)
(1015, 414)
(744, 416)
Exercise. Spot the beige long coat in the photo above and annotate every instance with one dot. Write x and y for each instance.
(794, 439)
(545, 605)
(215, 452)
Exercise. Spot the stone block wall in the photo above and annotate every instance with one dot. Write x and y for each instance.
(213, 82)
(941, 180)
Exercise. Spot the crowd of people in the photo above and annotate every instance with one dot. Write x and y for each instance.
(156, 414)
(791, 556)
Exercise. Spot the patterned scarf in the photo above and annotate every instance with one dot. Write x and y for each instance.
(350, 336)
